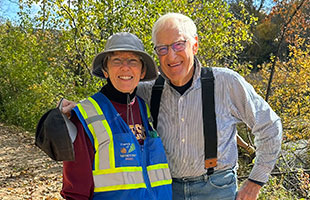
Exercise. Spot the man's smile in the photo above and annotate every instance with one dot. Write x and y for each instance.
(175, 64)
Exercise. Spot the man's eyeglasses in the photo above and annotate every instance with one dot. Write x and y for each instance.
(176, 46)
(131, 62)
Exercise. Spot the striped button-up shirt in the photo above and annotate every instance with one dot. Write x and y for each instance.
(180, 124)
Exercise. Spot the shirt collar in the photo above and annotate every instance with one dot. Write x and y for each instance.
(114, 95)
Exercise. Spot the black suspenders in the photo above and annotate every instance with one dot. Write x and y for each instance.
(157, 90)
(209, 118)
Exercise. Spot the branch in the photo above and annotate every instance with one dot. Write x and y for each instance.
(261, 5)
(290, 182)
(75, 40)
(278, 173)
(299, 158)
(285, 161)
(44, 15)
(278, 50)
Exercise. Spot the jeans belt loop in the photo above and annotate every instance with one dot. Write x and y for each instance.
(206, 176)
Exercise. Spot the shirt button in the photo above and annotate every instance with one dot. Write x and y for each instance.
(183, 140)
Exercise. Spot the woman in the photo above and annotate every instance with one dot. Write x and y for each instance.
(118, 155)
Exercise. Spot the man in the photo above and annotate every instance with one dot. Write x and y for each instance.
(180, 121)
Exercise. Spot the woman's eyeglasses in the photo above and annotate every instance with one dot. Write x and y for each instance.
(131, 62)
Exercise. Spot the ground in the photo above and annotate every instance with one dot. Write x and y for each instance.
(25, 171)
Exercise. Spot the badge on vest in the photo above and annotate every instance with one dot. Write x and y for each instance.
(126, 151)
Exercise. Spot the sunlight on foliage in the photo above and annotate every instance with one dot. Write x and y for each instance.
(291, 92)
(49, 55)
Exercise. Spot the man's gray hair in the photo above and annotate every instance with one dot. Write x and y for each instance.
(180, 21)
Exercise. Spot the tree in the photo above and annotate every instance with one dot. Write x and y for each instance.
(285, 82)
(50, 53)
(288, 28)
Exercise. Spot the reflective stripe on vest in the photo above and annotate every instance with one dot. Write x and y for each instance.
(91, 111)
(104, 162)
(159, 175)
(149, 115)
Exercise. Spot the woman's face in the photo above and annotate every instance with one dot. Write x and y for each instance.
(124, 70)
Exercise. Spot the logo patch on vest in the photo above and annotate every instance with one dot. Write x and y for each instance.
(132, 148)
(123, 150)
(126, 151)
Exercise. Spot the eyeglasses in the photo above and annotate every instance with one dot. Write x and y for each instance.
(176, 46)
(131, 62)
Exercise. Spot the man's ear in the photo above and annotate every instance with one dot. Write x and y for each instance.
(195, 46)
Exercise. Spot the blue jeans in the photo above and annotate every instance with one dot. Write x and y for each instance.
(221, 185)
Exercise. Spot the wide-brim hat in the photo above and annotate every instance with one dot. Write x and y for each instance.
(125, 42)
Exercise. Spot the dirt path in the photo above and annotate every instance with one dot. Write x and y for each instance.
(26, 172)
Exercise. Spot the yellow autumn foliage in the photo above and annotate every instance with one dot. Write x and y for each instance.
(290, 96)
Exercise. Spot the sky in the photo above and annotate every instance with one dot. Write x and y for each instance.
(9, 9)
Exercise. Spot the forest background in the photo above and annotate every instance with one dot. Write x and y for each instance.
(47, 55)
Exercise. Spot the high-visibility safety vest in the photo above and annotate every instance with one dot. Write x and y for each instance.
(122, 168)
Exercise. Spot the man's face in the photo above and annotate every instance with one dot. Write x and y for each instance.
(177, 66)
(124, 70)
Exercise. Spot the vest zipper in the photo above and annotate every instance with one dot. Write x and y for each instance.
(145, 174)
(143, 162)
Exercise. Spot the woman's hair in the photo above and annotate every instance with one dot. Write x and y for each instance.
(178, 21)
(105, 61)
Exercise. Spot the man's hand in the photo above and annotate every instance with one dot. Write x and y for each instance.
(66, 107)
(248, 191)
